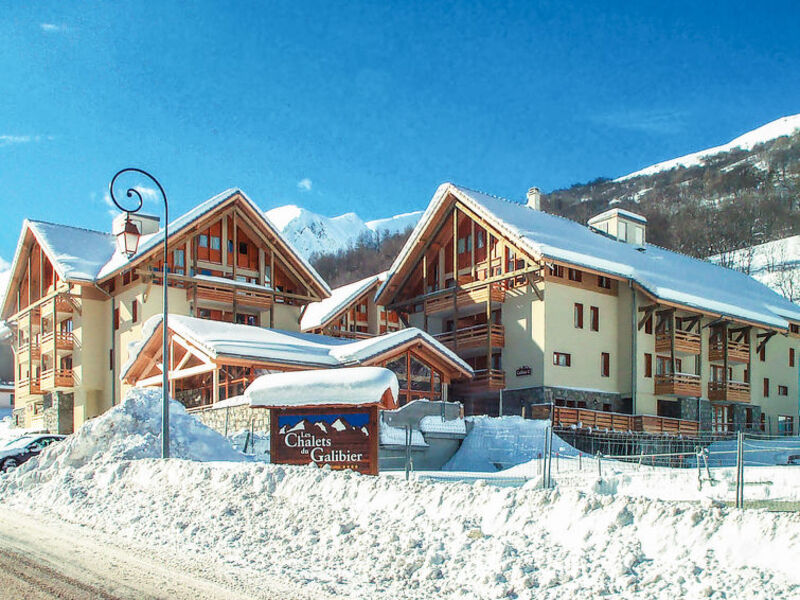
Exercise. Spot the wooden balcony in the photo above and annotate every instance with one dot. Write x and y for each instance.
(63, 340)
(595, 419)
(29, 350)
(686, 342)
(53, 379)
(483, 381)
(245, 295)
(30, 318)
(63, 304)
(738, 352)
(730, 391)
(655, 424)
(466, 300)
(678, 384)
(469, 338)
(27, 387)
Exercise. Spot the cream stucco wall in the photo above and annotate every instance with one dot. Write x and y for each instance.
(523, 319)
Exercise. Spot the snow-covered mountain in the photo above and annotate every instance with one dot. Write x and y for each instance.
(770, 131)
(312, 233)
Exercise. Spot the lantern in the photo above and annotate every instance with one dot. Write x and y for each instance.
(128, 238)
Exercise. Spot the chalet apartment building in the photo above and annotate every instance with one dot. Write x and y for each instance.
(351, 312)
(78, 306)
(608, 329)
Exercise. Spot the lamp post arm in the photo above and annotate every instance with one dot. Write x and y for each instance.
(135, 193)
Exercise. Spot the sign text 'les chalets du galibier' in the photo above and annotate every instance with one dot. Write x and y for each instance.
(343, 438)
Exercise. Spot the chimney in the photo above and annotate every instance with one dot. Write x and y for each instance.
(146, 224)
(534, 199)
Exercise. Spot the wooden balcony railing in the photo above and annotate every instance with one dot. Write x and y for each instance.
(64, 340)
(56, 378)
(484, 380)
(466, 299)
(220, 289)
(26, 348)
(686, 342)
(473, 337)
(595, 419)
(28, 386)
(655, 424)
(678, 384)
(728, 391)
(738, 352)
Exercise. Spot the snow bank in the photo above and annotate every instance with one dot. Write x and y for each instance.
(756, 452)
(129, 431)
(499, 443)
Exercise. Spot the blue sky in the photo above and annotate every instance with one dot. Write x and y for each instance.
(366, 107)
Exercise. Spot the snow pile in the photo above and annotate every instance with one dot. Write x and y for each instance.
(256, 443)
(493, 444)
(348, 536)
(347, 386)
(129, 431)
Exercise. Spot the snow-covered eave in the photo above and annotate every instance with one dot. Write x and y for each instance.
(338, 309)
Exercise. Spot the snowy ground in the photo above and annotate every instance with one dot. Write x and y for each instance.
(343, 535)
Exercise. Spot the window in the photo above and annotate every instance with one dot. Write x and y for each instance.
(763, 425)
(622, 230)
(594, 318)
(762, 353)
(135, 311)
(126, 277)
(479, 240)
(575, 275)
(242, 247)
(561, 359)
(785, 425)
(230, 246)
(116, 319)
(177, 258)
(605, 364)
(746, 375)
(578, 315)
(794, 328)
(202, 240)
(603, 282)
(215, 242)
(783, 390)
(648, 325)
(556, 270)
(638, 233)
(648, 365)
(766, 387)
(791, 357)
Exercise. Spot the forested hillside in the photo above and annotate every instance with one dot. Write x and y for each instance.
(723, 202)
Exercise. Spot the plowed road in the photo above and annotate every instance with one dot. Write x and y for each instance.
(44, 560)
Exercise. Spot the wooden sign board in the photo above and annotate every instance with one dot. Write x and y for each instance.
(344, 438)
(523, 371)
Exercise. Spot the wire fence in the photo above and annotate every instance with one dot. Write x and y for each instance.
(743, 470)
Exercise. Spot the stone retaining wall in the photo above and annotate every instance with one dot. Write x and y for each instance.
(236, 418)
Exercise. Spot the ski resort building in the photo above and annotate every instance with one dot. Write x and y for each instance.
(75, 302)
(593, 322)
(351, 312)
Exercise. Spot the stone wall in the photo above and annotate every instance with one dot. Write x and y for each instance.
(229, 420)
(58, 412)
(515, 400)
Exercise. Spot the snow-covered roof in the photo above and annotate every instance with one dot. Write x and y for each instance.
(354, 386)
(318, 314)
(76, 253)
(286, 347)
(666, 275)
(86, 255)
(618, 212)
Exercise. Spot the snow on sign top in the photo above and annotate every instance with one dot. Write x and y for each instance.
(319, 313)
(355, 386)
(666, 275)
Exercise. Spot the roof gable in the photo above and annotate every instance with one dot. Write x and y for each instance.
(666, 275)
(319, 314)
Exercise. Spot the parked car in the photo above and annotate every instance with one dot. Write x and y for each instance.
(16, 452)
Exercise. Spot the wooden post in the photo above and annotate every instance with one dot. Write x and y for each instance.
(472, 248)
(424, 291)
(725, 358)
(672, 345)
(455, 279)
(215, 386)
(489, 327)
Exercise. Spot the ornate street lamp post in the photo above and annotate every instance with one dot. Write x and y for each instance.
(128, 242)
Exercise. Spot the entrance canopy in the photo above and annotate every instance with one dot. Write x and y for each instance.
(354, 386)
